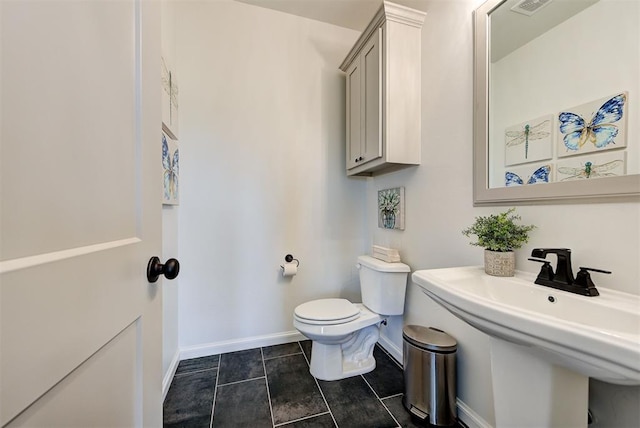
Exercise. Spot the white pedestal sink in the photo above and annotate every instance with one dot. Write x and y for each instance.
(545, 343)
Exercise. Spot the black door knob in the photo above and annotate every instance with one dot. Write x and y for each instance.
(170, 269)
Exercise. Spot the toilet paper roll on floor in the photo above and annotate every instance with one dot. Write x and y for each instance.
(289, 269)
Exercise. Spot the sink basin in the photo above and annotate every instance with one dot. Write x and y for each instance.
(547, 340)
(596, 336)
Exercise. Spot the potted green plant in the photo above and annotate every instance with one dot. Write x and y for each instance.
(499, 235)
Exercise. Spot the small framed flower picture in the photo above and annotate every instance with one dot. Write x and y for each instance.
(391, 208)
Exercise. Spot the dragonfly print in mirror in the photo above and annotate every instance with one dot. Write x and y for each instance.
(590, 170)
(527, 134)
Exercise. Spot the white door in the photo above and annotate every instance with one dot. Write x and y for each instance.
(80, 326)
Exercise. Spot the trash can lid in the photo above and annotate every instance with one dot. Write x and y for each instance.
(430, 339)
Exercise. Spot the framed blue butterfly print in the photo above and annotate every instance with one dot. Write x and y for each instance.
(528, 174)
(170, 171)
(596, 126)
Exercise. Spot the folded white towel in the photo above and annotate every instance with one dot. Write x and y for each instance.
(389, 255)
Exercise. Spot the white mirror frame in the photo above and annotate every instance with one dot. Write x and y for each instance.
(604, 189)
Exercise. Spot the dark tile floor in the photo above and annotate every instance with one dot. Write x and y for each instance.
(272, 387)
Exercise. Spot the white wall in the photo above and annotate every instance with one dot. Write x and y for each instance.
(262, 153)
(262, 134)
(439, 205)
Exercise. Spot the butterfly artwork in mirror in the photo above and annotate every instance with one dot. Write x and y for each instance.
(514, 176)
(170, 170)
(605, 130)
(551, 123)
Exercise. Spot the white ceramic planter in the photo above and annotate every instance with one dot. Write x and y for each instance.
(498, 263)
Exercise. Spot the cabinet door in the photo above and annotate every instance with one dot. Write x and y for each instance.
(371, 107)
(354, 118)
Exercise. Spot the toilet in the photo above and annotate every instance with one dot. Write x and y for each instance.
(344, 333)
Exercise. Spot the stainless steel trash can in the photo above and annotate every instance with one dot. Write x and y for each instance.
(429, 358)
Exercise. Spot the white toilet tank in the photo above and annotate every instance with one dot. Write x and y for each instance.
(383, 285)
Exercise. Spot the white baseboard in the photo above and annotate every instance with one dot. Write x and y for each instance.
(216, 348)
(391, 348)
(168, 376)
(469, 417)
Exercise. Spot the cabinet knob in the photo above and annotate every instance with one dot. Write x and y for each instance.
(359, 159)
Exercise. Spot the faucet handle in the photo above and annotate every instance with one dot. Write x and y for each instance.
(583, 279)
(546, 271)
(594, 270)
(539, 260)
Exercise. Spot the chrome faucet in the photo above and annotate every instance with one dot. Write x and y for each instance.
(562, 278)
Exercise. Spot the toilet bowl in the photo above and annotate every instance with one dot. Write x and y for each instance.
(342, 347)
(344, 333)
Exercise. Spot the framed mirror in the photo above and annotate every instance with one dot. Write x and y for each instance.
(556, 101)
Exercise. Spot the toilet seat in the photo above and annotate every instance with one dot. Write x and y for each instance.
(327, 312)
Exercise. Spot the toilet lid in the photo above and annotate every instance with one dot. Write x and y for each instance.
(327, 311)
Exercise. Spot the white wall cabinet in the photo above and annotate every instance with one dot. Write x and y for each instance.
(383, 93)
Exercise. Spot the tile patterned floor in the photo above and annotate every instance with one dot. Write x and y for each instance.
(272, 387)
